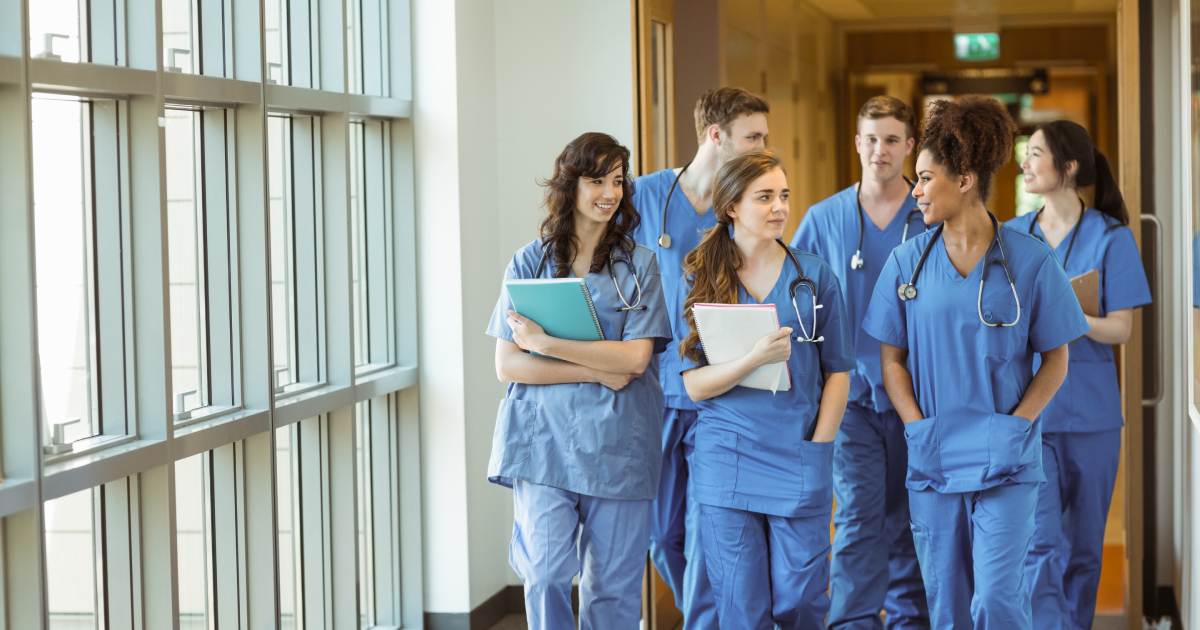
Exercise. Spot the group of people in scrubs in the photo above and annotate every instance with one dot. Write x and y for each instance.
(944, 383)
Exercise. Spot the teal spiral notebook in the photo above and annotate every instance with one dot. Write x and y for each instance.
(561, 306)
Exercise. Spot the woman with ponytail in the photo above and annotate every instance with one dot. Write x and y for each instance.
(1081, 427)
(762, 469)
(962, 312)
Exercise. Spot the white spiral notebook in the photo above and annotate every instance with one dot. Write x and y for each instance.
(728, 332)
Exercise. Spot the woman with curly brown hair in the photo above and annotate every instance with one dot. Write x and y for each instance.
(577, 438)
(961, 312)
(763, 464)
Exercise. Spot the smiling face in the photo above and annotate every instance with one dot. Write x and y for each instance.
(882, 144)
(763, 210)
(745, 133)
(1038, 168)
(597, 198)
(940, 194)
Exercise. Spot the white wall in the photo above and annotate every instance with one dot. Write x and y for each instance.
(500, 86)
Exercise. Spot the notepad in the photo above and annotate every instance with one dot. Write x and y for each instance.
(1087, 291)
(728, 332)
(561, 306)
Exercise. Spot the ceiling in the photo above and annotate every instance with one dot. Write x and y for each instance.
(966, 10)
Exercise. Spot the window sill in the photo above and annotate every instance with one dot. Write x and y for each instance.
(311, 402)
(204, 414)
(368, 369)
(87, 446)
(385, 381)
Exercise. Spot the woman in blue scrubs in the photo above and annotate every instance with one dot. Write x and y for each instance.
(962, 311)
(578, 436)
(762, 469)
(1081, 426)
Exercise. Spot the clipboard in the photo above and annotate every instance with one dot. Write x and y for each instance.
(1087, 291)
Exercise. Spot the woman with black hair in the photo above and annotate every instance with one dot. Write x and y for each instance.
(1081, 426)
(962, 311)
(578, 436)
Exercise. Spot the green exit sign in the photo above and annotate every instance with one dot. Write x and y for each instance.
(977, 46)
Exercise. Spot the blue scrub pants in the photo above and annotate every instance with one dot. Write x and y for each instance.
(874, 561)
(674, 531)
(1063, 569)
(555, 534)
(972, 547)
(767, 571)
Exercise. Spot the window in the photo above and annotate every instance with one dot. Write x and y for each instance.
(54, 30)
(296, 251)
(80, 227)
(199, 224)
(194, 541)
(74, 561)
(364, 499)
(366, 46)
(371, 224)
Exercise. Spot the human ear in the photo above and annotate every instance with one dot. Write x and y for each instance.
(909, 145)
(966, 182)
(714, 134)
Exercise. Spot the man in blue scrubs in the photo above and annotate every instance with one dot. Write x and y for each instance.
(676, 208)
(874, 562)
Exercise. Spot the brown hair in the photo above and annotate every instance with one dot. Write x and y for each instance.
(589, 155)
(878, 107)
(973, 136)
(721, 106)
(712, 267)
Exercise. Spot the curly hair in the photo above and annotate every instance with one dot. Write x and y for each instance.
(590, 155)
(971, 136)
(712, 267)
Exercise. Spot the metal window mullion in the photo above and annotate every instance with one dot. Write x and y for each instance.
(389, 323)
(320, 318)
(409, 593)
(218, 272)
(405, 239)
(23, 584)
(118, 567)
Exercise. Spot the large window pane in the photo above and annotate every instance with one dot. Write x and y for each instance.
(276, 35)
(186, 240)
(55, 28)
(194, 536)
(74, 567)
(68, 338)
(180, 47)
(283, 293)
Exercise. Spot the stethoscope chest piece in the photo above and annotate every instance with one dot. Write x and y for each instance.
(906, 292)
(664, 241)
(856, 261)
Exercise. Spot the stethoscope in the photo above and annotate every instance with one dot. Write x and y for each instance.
(1074, 230)
(908, 291)
(811, 287)
(612, 271)
(664, 239)
(856, 261)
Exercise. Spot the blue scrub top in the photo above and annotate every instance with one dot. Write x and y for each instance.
(584, 437)
(830, 230)
(752, 451)
(969, 377)
(1090, 399)
(686, 229)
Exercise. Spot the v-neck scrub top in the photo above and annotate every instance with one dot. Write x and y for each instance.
(830, 230)
(685, 228)
(584, 437)
(1090, 399)
(968, 378)
(751, 448)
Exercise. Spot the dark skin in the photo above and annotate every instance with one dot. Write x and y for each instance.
(954, 200)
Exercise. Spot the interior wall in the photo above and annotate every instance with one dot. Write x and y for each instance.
(500, 86)
(697, 67)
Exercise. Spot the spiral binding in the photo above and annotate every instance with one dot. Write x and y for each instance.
(587, 295)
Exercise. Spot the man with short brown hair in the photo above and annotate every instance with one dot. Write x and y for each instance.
(676, 208)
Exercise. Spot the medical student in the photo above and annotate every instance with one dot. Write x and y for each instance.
(577, 437)
(676, 208)
(874, 563)
(762, 466)
(962, 310)
(1081, 426)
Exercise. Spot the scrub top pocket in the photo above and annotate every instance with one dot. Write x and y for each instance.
(1014, 450)
(816, 466)
(924, 455)
(516, 422)
(604, 448)
(715, 460)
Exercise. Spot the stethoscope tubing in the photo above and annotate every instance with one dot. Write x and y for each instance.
(612, 271)
(664, 239)
(812, 289)
(1074, 230)
(856, 261)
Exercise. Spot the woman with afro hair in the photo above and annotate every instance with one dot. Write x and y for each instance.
(961, 311)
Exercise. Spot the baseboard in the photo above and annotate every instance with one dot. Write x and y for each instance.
(510, 600)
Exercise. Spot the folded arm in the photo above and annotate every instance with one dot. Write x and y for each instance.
(623, 357)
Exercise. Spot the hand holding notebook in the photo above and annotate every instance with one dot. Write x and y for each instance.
(728, 332)
(561, 306)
